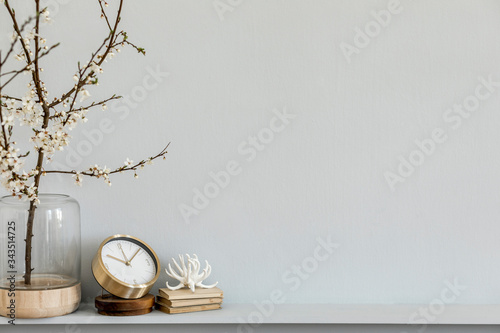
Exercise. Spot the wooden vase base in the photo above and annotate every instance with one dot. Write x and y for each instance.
(41, 303)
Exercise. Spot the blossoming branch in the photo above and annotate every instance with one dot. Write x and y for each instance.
(51, 119)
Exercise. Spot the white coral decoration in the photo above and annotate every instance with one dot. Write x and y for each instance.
(189, 276)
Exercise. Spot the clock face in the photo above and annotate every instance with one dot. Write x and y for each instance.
(128, 260)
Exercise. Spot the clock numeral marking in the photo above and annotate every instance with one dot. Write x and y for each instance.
(147, 262)
(135, 281)
(107, 266)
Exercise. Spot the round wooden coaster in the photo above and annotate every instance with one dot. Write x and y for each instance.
(125, 313)
(111, 303)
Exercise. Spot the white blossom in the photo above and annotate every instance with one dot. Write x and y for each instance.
(78, 178)
(95, 67)
(110, 55)
(46, 17)
(8, 119)
(11, 104)
(28, 38)
(73, 118)
(30, 35)
(100, 172)
(31, 113)
(51, 140)
(128, 162)
(84, 94)
(13, 180)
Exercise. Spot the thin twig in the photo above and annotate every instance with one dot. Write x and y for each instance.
(120, 169)
(103, 14)
(27, 68)
(13, 44)
(83, 79)
(4, 134)
(10, 97)
(94, 104)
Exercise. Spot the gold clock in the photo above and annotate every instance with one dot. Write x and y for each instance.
(126, 266)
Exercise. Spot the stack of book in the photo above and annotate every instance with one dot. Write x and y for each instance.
(184, 300)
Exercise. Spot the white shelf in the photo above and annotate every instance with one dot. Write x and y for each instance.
(287, 314)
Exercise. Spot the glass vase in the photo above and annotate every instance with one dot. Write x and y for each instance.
(55, 287)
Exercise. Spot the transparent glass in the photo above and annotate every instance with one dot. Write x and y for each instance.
(55, 255)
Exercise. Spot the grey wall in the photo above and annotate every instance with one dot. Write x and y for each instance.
(323, 174)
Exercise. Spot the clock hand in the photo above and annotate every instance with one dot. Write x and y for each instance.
(116, 259)
(134, 255)
(124, 256)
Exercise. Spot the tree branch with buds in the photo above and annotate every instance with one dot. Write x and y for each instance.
(104, 172)
(51, 121)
